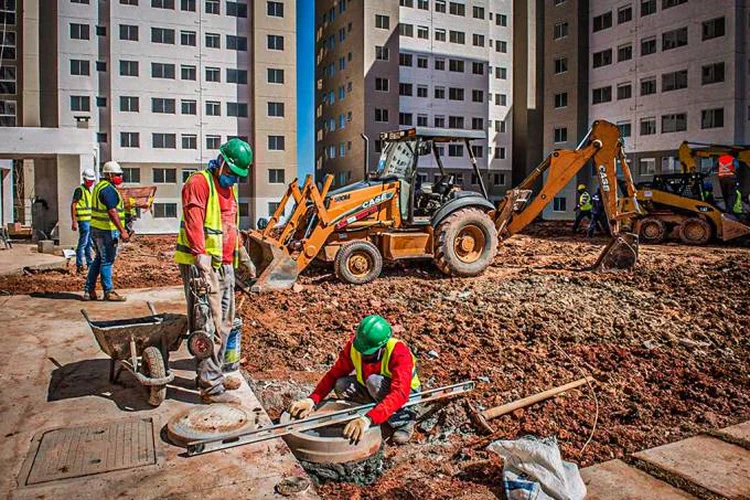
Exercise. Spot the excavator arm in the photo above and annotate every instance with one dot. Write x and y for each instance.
(689, 151)
(603, 146)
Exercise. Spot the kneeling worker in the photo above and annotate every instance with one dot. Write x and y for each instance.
(373, 366)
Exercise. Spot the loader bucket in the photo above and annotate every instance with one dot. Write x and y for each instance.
(621, 254)
(275, 269)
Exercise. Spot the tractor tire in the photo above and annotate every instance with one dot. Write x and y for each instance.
(465, 243)
(358, 262)
(653, 230)
(153, 366)
(695, 231)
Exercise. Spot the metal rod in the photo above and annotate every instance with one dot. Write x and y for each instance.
(242, 438)
(476, 169)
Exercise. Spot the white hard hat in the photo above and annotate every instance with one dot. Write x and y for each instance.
(111, 167)
(89, 175)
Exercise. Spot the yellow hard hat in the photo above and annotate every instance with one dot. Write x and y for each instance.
(581, 186)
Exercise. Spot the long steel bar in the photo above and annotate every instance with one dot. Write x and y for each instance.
(203, 446)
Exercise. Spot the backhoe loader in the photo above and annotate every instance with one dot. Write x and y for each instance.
(393, 216)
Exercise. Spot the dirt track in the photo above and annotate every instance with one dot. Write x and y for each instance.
(666, 343)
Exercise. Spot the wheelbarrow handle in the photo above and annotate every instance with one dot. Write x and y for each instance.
(151, 307)
(86, 315)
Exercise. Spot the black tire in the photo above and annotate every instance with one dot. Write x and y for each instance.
(358, 262)
(153, 366)
(695, 231)
(653, 230)
(472, 227)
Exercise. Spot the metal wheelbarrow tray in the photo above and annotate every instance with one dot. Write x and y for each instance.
(142, 346)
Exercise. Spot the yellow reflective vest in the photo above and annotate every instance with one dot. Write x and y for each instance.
(584, 202)
(385, 371)
(99, 213)
(212, 229)
(83, 205)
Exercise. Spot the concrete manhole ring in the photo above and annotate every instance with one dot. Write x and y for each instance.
(209, 421)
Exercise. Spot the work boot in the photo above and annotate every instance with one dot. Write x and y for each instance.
(222, 397)
(403, 434)
(79, 269)
(90, 295)
(232, 383)
(112, 296)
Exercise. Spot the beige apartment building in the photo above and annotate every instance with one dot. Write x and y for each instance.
(160, 85)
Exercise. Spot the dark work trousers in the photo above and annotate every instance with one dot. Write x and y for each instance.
(582, 214)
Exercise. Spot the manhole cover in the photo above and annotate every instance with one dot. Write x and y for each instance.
(92, 449)
(210, 421)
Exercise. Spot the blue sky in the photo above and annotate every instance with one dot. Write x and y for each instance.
(305, 88)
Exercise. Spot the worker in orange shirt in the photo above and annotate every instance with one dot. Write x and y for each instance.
(728, 180)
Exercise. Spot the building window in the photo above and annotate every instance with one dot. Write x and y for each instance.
(275, 9)
(648, 86)
(274, 75)
(440, 34)
(132, 175)
(80, 103)
(165, 175)
(406, 30)
(188, 73)
(421, 120)
(213, 108)
(440, 6)
(129, 32)
(477, 68)
(162, 35)
(499, 153)
(276, 109)
(648, 7)
(439, 92)
(382, 22)
(498, 179)
(212, 7)
(455, 122)
(561, 134)
(665, 4)
(648, 126)
(561, 65)
(603, 21)
(237, 76)
(712, 73)
(423, 4)
(236, 9)
(714, 28)
(561, 100)
(276, 176)
(129, 104)
(456, 94)
(213, 41)
(237, 43)
(477, 123)
(501, 20)
(164, 141)
(477, 95)
(458, 37)
(676, 122)
(7, 80)
(275, 42)
(648, 46)
(438, 121)
(161, 70)
(213, 75)
(162, 4)
(405, 89)
(440, 64)
(213, 142)
(382, 84)
(600, 95)
(501, 73)
(79, 31)
(624, 91)
(276, 143)
(457, 9)
(188, 38)
(381, 115)
(625, 129)
(674, 81)
(455, 150)
(712, 118)
(501, 46)
(187, 5)
(273, 206)
(674, 39)
(421, 90)
(101, 66)
(7, 15)
(382, 53)
(237, 109)
(403, 119)
(647, 166)
(130, 140)
(624, 14)
(561, 30)
(477, 12)
(501, 100)
(128, 2)
(602, 58)
(189, 107)
(8, 45)
(624, 52)
(164, 210)
(423, 32)
(78, 67)
(405, 60)
(456, 65)
(189, 141)
(559, 204)
(422, 62)
(162, 105)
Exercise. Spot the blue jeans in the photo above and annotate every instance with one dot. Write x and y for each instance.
(105, 244)
(85, 245)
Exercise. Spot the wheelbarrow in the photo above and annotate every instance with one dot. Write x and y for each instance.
(142, 347)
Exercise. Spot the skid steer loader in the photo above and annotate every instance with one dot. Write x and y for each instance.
(392, 216)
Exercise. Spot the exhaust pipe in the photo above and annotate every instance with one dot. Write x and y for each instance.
(367, 153)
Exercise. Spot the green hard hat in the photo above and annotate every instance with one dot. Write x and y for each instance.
(372, 334)
(239, 156)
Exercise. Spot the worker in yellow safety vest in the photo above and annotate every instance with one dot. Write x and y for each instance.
(80, 214)
(583, 206)
(209, 248)
(372, 366)
(107, 218)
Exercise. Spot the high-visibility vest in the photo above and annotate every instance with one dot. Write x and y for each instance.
(212, 229)
(737, 207)
(83, 205)
(384, 368)
(584, 201)
(99, 212)
(726, 166)
(131, 210)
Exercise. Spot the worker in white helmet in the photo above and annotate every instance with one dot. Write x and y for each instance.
(107, 229)
(80, 214)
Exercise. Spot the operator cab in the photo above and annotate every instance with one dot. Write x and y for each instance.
(420, 200)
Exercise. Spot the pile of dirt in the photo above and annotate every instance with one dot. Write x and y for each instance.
(666, 343)
(145, 261)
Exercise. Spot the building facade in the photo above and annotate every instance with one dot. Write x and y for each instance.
(384, 65)
(162, 84)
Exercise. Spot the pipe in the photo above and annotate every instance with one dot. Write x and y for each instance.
(367, 153)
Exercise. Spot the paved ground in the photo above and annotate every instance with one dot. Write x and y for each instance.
(55, 376)
(22, 255)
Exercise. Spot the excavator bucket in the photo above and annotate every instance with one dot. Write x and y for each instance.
(275, 268)
(731, 229)
(621, 254)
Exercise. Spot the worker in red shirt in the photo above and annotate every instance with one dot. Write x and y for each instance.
(208, 250)
(373, 366)
(727, 170)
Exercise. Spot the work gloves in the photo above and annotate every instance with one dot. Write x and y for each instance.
(246, 262)
(356, 428)
(302, 408)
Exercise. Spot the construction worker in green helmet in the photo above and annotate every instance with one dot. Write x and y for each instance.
(209, 248)
(372, 366)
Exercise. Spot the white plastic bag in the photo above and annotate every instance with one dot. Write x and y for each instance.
(534, 470)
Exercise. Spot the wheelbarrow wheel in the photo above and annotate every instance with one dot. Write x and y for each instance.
(153, 365)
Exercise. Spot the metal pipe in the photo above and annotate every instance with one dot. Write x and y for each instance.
(476, 169)
(367, 153)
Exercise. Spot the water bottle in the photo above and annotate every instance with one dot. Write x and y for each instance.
(232, 351)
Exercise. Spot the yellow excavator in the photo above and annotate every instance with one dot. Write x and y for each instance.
(679, 207)
(394, 215)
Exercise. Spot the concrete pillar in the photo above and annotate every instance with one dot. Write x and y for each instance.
(6, 194)
(69, 169)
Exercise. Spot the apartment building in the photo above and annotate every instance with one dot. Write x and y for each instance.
(162, 84)
(383, 65)
(663, 70)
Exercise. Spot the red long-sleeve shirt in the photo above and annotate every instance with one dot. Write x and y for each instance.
(401, 366)
(195, 194)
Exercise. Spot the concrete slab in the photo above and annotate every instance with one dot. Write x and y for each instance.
(719, 467)
(55, 376)
(616, 480)
(739, 433)
(23, 255)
